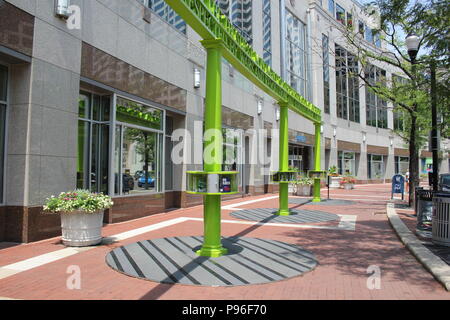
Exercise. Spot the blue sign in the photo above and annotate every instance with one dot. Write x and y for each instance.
(301, 139)
(398, 185)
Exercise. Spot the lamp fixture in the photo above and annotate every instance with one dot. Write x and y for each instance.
(230, 71)
(62, 8)
(278, 114)
(364, 137)
(259, 106)
(196, 78)
(412, 44)
(334, 132)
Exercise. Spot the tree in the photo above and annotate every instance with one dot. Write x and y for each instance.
(409, 89)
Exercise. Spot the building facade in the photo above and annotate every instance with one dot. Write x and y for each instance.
(112, 100)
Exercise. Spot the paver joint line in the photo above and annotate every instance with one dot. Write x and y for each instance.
(438, 268)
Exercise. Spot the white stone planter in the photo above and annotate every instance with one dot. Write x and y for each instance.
(303, 190)
(348, 186)
(80, 229)
(335, 182)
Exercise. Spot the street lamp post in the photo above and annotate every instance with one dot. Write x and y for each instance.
(412, 44)
(434, 130)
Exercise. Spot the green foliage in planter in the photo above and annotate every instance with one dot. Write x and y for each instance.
(83, 200)
(333, 171)
(304, 181)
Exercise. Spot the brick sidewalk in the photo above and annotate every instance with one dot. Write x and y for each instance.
(343, 256)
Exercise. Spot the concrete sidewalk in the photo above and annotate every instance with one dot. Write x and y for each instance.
(349, 258)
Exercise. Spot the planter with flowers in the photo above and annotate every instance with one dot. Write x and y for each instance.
(348, 182)
(335, 178)
(303, 186)
(81, 216)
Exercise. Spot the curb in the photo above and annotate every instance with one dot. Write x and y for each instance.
(438, 268)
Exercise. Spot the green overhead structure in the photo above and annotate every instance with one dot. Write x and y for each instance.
(284, 161)
(222, 39)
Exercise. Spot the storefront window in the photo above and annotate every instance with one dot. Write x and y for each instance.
(93, 142)
(3, 101)
(347, 163)
(375, 166)
(138, 148)
(232, 151)
(299, 158)
(168, 167)
(401, 165)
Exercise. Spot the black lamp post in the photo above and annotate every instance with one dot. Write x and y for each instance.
(412, 44)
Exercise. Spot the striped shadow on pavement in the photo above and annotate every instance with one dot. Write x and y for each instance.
(324, 202)
(249, 261)
(297, 216)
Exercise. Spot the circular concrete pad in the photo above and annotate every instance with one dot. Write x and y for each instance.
(324, 202)
(249, 261)
(297, 216)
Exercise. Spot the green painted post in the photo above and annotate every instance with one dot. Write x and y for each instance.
(316, 192)
(284, 159)
(212, 245)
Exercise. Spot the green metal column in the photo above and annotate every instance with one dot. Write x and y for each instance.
(316, 192)
(284, 159)
(212, 245)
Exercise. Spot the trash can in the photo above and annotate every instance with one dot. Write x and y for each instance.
(441, 218)
(416, 198)
(424, 213)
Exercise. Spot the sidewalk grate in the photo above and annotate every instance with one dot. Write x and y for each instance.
(174, 261)
(297, 216)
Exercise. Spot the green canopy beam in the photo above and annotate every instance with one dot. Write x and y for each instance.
(208, 21)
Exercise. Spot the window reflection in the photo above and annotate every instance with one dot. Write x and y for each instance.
(296, 58)
(138, 148)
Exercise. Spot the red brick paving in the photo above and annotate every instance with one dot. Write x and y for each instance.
(343, 256)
